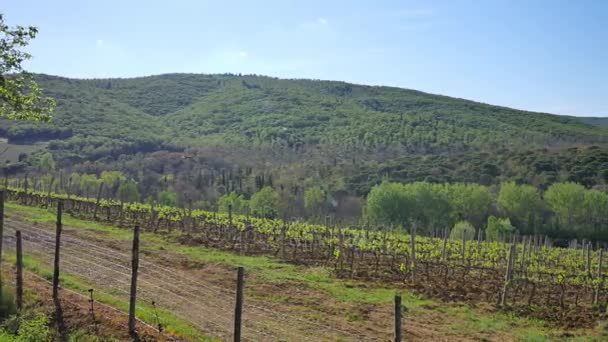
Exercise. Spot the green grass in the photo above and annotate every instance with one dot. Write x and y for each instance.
(272, 270)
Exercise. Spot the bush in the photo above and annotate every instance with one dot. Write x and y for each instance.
(29, 327)
(7, 304)
(499, 229)
(462, 228)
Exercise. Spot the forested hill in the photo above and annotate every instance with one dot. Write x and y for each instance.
(203, 135)
(196, 110)
(600, 122)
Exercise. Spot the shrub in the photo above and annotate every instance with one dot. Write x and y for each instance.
(462, 228)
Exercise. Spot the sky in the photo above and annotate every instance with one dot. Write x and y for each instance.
(540, 55)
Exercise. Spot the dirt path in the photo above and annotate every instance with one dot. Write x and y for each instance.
(188, 295)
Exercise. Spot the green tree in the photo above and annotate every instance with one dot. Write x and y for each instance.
(238, 202)
(388, 203)
(111, 181)
(46, 162)
(499, 229)
(265, 203)
(88, 185)
(167, 198)
(127, 191)
(462, 228)
(20, 97)
(314, 201)
(522, 204)
(595, 208)
(470, 202)
(567, 200)
(74, 184)
(428, 204)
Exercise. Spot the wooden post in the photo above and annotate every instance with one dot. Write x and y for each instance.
(596, 295)
(464, 245)
(230, 214)
(97, 201)
(57, 250)
(397, 318)
(238, 308)
(1, 236)
(19, 281)
(503, 296)
(58, 310)
(134, 268)
(48, 196)
(588, 265)
(445, 244)
(413, 252)
(92, 311)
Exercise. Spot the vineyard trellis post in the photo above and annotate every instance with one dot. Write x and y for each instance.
(413, 252)
(99, 191)
(238, 308)
(588, 264)
(397, 318)
(57, 252)
(1, 236)
(445, 244)
(56, 302)
(19, 275)
(92, 311)
(600, 277)
(508, 275)
(134, 268)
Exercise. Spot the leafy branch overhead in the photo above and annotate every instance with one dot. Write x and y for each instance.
(20, 96)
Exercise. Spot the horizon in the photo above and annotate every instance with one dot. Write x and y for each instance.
(541, 57)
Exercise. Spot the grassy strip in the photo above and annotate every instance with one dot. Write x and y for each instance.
(319, 278)
(171, 323)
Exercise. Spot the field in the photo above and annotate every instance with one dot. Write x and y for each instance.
(191, 286)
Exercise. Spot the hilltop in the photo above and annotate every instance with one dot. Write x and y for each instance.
(195, 109)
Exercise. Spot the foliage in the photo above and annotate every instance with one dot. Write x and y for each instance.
(237, 202)
(167, 198)
(499, 229)
(314, 200)
(29, 327)
(7, 303)
(521, 203)
(265, 203)
(462, 229)
(567, 201)
(387, 203)
(470, 202)
(127, 191)
(20, 96)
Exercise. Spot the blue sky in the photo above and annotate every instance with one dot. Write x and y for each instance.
(549, 56)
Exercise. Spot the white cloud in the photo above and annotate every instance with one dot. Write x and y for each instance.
(243, 53)
(99, 42)
(315, 24)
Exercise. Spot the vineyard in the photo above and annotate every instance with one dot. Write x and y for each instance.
(526, 275)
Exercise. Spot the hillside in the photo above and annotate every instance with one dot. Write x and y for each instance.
(600, 122)
(191, 109)
(200, 136)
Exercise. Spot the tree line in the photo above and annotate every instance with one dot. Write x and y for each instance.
(565, 210)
